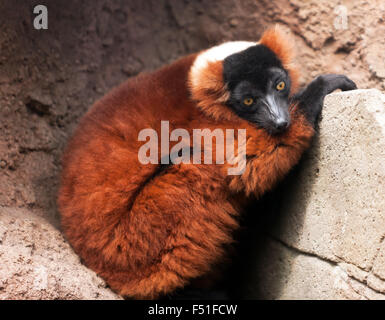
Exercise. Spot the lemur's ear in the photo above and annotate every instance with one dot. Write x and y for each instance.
(281, 44)
(209, 90)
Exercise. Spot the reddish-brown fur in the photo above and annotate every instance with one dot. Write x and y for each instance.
(148, 233)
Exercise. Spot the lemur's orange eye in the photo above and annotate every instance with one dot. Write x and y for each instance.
(248, 101)
(280, 86)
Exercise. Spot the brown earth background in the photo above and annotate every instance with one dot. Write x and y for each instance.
(49, 78)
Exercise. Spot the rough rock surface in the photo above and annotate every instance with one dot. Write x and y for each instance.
(328, 242)
(48, 79)
(37, 263)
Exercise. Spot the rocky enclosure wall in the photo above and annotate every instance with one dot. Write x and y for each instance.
(49, 78)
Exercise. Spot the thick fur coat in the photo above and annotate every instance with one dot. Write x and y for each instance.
(146, 229)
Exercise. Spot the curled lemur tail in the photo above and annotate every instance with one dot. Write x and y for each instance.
(146, 234)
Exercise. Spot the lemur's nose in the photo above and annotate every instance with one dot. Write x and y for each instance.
(281, 124)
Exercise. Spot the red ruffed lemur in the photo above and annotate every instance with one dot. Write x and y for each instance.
(149, 229)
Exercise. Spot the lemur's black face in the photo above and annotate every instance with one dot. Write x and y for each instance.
(259, 88)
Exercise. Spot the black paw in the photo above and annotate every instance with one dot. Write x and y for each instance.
(332, 82)
(310, 100)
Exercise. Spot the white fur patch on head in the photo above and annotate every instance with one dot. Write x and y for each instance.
(217, 53)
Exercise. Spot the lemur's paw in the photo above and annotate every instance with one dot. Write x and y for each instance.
(311, 98)
(332, 82)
